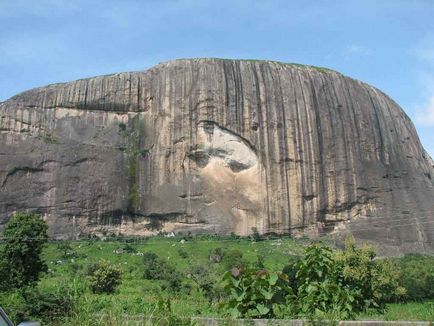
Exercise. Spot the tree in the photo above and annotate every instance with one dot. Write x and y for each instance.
(25, 235)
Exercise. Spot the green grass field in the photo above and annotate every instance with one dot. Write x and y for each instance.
(136, 295)
(68, 261)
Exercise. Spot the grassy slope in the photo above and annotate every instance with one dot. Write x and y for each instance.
(137, 296)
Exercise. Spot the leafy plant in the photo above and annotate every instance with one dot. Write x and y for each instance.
(319, 291)
(323, 284)
(104, 277)
(258, 294)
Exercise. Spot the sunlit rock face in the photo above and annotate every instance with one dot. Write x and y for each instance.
(218, 146)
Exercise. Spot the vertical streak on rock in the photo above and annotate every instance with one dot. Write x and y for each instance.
(228, 97)
(392, 131)
(355, 141)
(235, 116)
(240, 103)
(85, 93)
(274, 140)
(327, 138)
(261, 144)
(322, 193)
(313, 186)
(379, 147)
(269, 129)
(307, 151)
(345, 195)
(298, 159)
(291, 139)
(282, 137)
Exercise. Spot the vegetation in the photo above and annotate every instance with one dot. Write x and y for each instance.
(104, 277)
(256, 294)
(167, 280)
(416, 276)
(327, 284)
(20, 256)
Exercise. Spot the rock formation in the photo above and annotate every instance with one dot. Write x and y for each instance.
(220, 146)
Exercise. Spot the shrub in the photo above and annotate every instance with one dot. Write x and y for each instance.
(65, 248)
(216, 255)
(416, 275)
(256, 294)
(104, 277)
(321, 285)
(183, 253)
(234, 258)
(48, 306)
(154, 267)
(129, 249)
(20, 258)
(157, 269)
(206, 281)
(319, 292)
(376, 281)
(255, 236)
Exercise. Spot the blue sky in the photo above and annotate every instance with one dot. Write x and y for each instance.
(387, 43)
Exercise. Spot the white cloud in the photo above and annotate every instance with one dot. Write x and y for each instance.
(425, 112)
(425, 50)
(355, 49)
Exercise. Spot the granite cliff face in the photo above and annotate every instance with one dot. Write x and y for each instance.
(212, 145)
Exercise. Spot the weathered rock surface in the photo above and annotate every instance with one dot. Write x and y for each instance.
(212, 145)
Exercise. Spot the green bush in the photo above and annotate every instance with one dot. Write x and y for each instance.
(256, 294)
(157, 269)
(206, 280)
(416, 276)
(216, 255)
(104, 277)
(376, 281)
(255, 236)
(20, 257)
(234, 259)
(154, 266)
(129, 249)
(345, 282)
(319, 292)
(323, 284)
(48, 306)
(182, 253)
